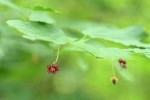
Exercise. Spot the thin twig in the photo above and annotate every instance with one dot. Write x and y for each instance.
(57, 55)
(113, 70)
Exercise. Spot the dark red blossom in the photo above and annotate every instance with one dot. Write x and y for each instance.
(114, 80)
(122, 63)
(120, 60)
(52, 69)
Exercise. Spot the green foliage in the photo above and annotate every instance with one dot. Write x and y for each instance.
(40, 31)
(39, 8)
(127, 36)
(40, 14)
(43, 29)
(40, 27)
(102, 52)
(145, 52)
(81, 77)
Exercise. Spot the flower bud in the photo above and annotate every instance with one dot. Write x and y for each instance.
(122, 63)
(52, 69)
(114, 80)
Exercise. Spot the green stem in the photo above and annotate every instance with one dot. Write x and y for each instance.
(57, 55)
(113, 70)
(83, 39)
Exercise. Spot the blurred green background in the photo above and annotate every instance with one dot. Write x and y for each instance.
(23, 73)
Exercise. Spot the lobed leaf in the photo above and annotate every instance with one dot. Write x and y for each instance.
(40, 16)
(48, 9)
(127, 36)
(145, 52)
(40, 31)
(100, 51)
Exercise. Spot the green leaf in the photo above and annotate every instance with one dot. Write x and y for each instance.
(40, 31)
(41, 16)
(127, 36)
(145, 52)
(39, 8)
(100, 51)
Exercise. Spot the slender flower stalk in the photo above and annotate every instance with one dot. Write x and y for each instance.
(57, 55)
(54, 67)
(113, 70)
(113, 79)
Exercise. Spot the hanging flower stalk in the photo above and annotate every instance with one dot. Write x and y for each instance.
(54, 67)
(113, 79)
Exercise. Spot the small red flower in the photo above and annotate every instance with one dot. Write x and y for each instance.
(122, 63)
(114, 80)
(120, 60)
(56, 67)
(52, 69)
